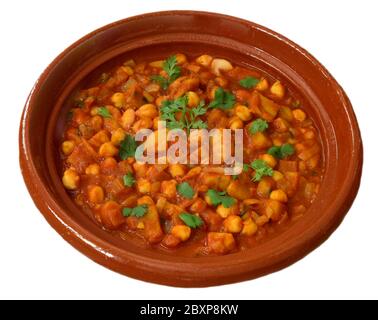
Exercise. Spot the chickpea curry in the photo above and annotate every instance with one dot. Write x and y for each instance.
(196, 208)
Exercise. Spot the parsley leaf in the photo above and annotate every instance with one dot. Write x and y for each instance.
(281, 152)
(222, 99)
(173, 72)
(127, 147)
(185, 190)
(163, 82)
(138, 211)
(128, 179)
(259, 125)
(217, 197)
(188, 119)
(249, 82)
(103, 112)
(261, 169)
(171, 68)
(191, 220)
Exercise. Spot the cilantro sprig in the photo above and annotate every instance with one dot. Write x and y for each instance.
(249, 82)
(259, 125)
(188, 116)
(127, 147)
(222, 99)
(218, 197)
(173, 72)
(281, 152)
(185, 190)
(261, 169)
(128, 179)
(191, 220)
(138, 211)
(104, 112)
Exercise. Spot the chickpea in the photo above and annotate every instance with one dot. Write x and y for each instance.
(269, 159)
(277, 175)
(280, 125)
(94, 111)
(71, 179)
(143, 123)
(109, 163)
(147, 110)
(219, 65)
(182, 232)
(96, 123)
(177, 170)
(299, 115)
(127, 118)
(264, 187)
(143, 186)
(204, 60)
(92, 169)
(193, 99)
(249, 228)
(95, 194)
(180, 58)
(118, 99)
(157, 64)
(128, 70)
(278, 195)
(236, 123)
(278, 89)
(107, 149)
(223, 211)
(233, 224)
(117, 136)
(168, 187)
(261, 220)
(67, 147)
(262, 85)
(243, 112)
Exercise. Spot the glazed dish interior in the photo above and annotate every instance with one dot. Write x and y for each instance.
(182, 209)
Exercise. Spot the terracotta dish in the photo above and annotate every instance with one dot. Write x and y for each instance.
(157, 35)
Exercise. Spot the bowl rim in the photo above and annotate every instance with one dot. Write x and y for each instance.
(117, 259)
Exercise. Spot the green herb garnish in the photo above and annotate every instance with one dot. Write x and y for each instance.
(249, 82)
(163, 82)
(222, 99)
(191, 220)
(259, 125)
(127, 147)
(185, 190)
(138, 211)
(104, 112)
(128, 179)
(173, 72)
(188, 116)
(217, 197)
(261, 169)
(281, 152)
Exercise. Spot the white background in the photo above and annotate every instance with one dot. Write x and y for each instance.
(36, 263)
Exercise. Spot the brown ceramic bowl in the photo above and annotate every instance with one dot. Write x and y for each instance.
(156, 35)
